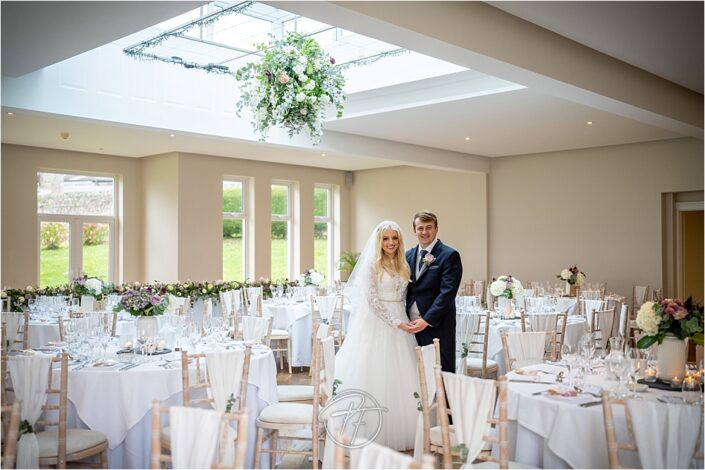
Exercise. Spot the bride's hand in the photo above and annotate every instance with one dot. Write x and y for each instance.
(405, 326)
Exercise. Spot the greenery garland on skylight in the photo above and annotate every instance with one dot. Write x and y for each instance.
(291, 87)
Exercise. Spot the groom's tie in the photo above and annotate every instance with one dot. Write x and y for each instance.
(421, 256)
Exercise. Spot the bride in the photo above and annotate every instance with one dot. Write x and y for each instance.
(378, 356)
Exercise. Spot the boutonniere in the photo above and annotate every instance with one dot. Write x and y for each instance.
(428, 259)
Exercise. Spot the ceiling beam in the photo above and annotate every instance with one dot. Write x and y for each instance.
(483, 38)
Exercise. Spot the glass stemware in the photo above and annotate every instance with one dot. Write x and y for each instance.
(568, 354)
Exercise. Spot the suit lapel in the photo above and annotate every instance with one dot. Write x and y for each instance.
(411, 259)
(434, 252)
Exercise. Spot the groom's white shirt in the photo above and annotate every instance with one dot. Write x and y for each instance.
(414, 313)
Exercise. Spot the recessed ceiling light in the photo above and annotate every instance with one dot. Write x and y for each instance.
(323, 155)
(171, 135)
(467, 138)
(589, 123)
(10, 113)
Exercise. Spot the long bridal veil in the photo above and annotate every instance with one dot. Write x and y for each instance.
(358, 285)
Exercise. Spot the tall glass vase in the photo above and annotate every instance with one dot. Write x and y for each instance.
(504, 307)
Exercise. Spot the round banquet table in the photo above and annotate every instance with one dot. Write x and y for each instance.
(118, 403)
(547, 431)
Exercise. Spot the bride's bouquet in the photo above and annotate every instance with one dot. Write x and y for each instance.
(506, 286)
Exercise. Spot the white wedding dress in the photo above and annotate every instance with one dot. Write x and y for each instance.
(378, 358)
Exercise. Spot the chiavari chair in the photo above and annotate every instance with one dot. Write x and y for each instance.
(481, 366)
(431, 434)
(17, 325)
(302, 393)
(514, 359)
(640, 294)
(10, 433)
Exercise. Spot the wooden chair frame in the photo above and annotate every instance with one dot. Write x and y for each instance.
(509, 360)
(561, 325)
(158, 458)
(62, 457)
(203, 382)
(270, 431)
(424, 399)
(597, 318)
(484, 331)
(501, 423)
(10, 433)
(21, 336)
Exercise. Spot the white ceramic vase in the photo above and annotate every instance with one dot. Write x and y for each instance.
(504, 306)
(147, 326)
(671, 358)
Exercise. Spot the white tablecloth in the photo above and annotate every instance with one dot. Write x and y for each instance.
(41, 333)
(575, 329)
(118, 403)
(554, 432)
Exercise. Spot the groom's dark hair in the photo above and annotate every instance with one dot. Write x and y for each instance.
(425, 216)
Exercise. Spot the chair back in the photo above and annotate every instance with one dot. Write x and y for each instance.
(257, 329)
(478, 344)
(237, 420)
(427, 357)
(10, 433)
(640, 294)
(17, 326)
(525, 348)
(601, 322)
(194, 377)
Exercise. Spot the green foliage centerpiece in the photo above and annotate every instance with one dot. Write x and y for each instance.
(291, 86)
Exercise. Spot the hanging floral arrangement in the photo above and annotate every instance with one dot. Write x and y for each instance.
(291, 87)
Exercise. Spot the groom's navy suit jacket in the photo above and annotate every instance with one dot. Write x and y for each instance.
(434, 293)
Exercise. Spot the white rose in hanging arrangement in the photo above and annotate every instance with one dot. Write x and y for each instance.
(291, 87)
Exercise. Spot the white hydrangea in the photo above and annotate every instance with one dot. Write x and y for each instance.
(517, 288)
(299, 69)
(316, 278)
(94, 286)
(300, 96)
(647, 319)
(565, 274)
(498, 287)
(310, 85)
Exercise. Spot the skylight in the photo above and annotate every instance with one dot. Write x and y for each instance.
(221, 35)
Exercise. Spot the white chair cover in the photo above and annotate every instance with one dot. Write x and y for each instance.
(471, 400)
(236, 300)
(623, 319)
(428, 355)
(543, 321)
(225, 375)
(195, 434)
(665, 434)
(326, 306)
(376, 456)
(30, 379)
(226, 303)
(323, 331)
(12, 321)
(567, 305)
(589, 306)
(253, 304)
(466, 326)
(535, 304)
(591, 294)
(328, 370)
(254, 328)
(526, 348)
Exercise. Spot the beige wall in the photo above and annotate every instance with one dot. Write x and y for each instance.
(160, 221)
(599, 208)
(200, 212)
(458, 199)
(19, 207)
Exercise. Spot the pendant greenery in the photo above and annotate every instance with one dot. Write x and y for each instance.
(291, 87)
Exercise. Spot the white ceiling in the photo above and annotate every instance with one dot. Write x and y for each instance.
(663, 38)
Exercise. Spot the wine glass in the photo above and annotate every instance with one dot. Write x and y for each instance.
(568, 354)
(619, 365)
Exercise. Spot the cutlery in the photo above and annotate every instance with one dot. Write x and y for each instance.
(530, 381)
(128, 367)
(591, 403)
(581, 391)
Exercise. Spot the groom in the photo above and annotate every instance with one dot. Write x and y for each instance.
(436, 272)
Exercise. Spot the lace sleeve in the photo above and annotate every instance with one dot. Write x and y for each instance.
(376, 306)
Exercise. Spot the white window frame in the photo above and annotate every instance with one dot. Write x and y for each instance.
(242, 215)
(289, 219)
(75, 223)
(328, 220)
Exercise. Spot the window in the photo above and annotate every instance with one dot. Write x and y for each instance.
(281, 231)
(76, 221)
(234, 230)
(323, 231)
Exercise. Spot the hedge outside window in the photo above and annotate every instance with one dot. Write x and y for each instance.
(281, 231)
(234, 229)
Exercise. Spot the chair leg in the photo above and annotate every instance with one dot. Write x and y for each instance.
(288, 352)
(104, 459)
(258, 447)
(273, 455)
(314, 446)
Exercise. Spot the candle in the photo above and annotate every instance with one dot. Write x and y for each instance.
(161, 345)
(676, 382)
(650, 374)
(128, 345)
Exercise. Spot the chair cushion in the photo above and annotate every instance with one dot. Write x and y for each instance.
(496, 465)
(77, 440)
(287, 413)
(437, 440)
(476, 363)
(295, 392)
(279, 334)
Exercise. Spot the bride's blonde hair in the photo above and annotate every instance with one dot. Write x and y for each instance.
(393, 266)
